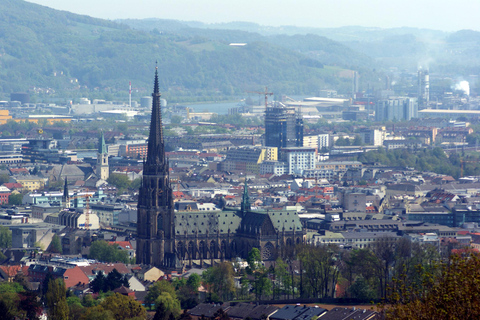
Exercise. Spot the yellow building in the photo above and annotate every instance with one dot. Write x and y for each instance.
(4, 116)
(31, 183)
(49, 119)
(249, 158)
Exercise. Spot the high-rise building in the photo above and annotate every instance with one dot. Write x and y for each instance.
(396, 109)
(155, 226)
(102, 160)
(423, 88)
(283, 127)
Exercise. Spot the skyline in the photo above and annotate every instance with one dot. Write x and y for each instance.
(443, 15)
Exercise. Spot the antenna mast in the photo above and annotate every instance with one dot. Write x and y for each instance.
(130, 94)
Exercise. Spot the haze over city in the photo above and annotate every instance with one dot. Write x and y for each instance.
(439, 15)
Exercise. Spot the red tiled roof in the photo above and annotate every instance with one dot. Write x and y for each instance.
(124, 244)
(12, 271)
(18, 170)
(13, 185)
(178, 194)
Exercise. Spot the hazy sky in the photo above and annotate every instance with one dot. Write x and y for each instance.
(448, 15)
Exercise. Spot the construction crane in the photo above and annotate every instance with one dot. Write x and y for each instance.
(266, 93)
(87, 207)
(291, 99)
(87, 212)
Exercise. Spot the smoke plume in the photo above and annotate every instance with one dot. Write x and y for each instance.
(463, 86)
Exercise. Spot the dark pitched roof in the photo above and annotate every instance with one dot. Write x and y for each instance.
(123, 290)
(208, 309)
(289, 312)
(261, 310)
(349, 313)
(311, 312)
(241, 310)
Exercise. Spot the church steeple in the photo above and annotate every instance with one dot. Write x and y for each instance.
(102, 147)
(245, 206)
(156, 154)
(102, 159)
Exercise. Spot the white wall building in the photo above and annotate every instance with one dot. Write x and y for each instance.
(299, 159)
(273, 167)
(323, 141)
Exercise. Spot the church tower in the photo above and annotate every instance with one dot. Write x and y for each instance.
(102, 159)
(245, 206)
(155, 224)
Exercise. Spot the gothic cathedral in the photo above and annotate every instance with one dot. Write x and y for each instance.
(155, 224)
(175, 235)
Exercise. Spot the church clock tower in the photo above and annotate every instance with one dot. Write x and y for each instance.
(155, 224)
(102, 160)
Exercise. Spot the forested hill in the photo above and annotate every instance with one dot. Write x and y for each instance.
(44, 48)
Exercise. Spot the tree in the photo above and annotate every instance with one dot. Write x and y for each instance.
(219, 281)
(56, 300)
(21, 279)
(171, 304)
(56, 185)
(5, 237)
(4, 178)
(30, 305)
(15, 199)
(115, 280)
(176, 119)
(194, 281)
(158, 288)
(357, 141)
(55, 245)
(454, 294)
(254, 259)
(361, 290)
(187, 290)
(5, 311)
(284, 280)
(98, 284)
(161, 312)
(120, 181)
(124, 307)
(102, 251)
(383, 249)
(320, 272)
(97, 313)
(11, 287)
(262, 284)
(75, 307)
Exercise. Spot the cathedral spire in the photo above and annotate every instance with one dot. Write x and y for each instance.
(155, 153)
(245, 206)
(65, 189)
(66, 197)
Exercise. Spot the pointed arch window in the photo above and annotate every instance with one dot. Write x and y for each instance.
(160, 222)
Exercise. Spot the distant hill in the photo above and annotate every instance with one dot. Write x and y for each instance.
(454, 53)
(42, 49)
